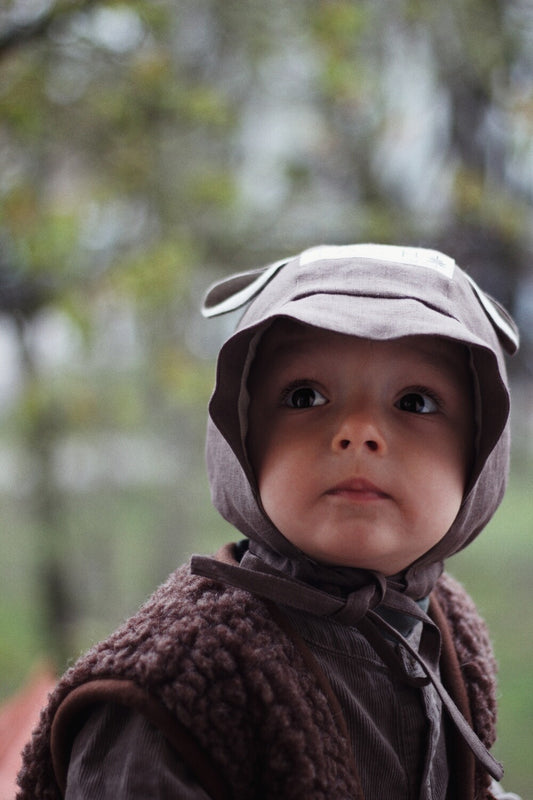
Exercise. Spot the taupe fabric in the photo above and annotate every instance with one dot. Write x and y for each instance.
(394, 293)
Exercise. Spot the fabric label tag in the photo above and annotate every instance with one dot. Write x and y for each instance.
(392, 254)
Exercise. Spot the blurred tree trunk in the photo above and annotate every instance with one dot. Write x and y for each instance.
(43, 426)
(485, 232)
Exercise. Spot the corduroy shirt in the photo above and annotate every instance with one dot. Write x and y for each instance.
(397, 733)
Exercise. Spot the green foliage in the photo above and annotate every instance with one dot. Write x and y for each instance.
(22, 643)
(157, 277)
(210, 189)
(183, 378)
(340, 29)
(481, 201)
(43, 238)
(339, 25)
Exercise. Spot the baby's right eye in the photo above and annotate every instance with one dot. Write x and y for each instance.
(303, 397)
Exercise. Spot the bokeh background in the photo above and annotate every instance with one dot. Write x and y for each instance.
(148, 148)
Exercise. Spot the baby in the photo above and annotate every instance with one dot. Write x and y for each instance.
(358, 436)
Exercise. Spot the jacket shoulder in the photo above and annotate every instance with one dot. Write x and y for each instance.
(174, 637)
(215, 658)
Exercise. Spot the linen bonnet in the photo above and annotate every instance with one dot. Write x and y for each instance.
(378, 292)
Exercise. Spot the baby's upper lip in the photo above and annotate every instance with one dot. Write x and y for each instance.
(361, 485)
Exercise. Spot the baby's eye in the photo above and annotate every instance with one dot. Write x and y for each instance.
(303, 397)
(418, 403)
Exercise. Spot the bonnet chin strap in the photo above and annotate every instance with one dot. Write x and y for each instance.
(356, 609)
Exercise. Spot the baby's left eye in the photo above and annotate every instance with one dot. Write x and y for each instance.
(303, 397)
(417, 403)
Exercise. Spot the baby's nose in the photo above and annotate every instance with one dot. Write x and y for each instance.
(371, 444)
(359, 431)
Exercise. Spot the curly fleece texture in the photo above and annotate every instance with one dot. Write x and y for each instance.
(217, 660)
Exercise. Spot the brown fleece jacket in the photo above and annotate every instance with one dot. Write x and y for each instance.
(242, 699)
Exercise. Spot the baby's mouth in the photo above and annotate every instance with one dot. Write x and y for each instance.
(358, 489)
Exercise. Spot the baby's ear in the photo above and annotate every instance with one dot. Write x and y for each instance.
(501, 320)
(237, 290)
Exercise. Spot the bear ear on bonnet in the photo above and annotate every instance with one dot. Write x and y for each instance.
(503, 323)
(237, 290)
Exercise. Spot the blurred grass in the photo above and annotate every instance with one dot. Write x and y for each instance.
(121, 543)
(497, 571)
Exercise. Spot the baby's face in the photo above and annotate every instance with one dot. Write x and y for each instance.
(361, 449)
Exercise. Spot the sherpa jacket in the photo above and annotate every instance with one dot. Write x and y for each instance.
(241, 699)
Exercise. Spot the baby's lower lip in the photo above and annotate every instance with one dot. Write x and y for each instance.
(358, 492)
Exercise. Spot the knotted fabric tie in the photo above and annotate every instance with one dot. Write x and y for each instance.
(356, 609)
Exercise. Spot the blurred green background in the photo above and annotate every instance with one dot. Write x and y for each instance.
(148, 148)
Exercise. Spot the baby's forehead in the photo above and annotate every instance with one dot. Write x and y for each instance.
(289, 339)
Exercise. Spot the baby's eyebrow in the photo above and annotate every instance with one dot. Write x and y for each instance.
(449, 360)
(288, 351)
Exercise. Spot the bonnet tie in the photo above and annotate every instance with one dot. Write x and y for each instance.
(355, 609)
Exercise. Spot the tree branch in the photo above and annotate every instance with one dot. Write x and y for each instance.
(18, 35)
